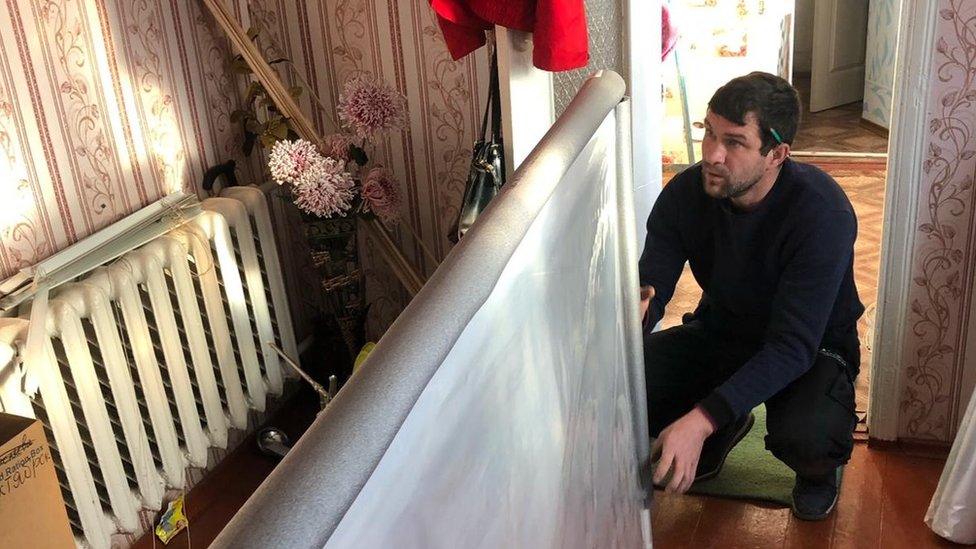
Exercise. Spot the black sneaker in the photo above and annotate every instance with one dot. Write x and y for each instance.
(718, 446)
(815, 498)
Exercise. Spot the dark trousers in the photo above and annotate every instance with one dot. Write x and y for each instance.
(810, 423)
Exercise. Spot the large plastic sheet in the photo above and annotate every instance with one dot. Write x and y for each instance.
(952, 512)
(524, 436)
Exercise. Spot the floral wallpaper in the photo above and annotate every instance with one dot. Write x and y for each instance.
(944, 255)
(107, 106)
(330, 42)
(104, 108)
(879, 69)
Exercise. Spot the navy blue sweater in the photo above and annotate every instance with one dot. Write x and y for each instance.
(780, 275)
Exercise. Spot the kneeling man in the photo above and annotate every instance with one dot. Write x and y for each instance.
(771, 243)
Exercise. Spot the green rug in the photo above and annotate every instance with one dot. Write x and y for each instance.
(751, 471)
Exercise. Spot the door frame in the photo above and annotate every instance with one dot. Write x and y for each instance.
(913, 67)
(916, 30)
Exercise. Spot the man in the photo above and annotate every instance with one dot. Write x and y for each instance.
(770, 241)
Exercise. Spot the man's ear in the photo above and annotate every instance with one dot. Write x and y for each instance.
(778, 154)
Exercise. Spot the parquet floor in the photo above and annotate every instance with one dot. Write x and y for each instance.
(834, 130)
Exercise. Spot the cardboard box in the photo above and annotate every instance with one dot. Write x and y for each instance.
(32, 512)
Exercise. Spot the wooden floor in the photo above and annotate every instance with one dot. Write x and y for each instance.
(883, 500)
(839, 129)
(211, 503)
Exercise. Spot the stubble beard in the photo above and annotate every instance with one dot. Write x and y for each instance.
(731, 189)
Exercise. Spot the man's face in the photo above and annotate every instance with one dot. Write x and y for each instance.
(731, 161)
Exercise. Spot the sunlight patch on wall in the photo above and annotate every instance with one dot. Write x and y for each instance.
(159, 130)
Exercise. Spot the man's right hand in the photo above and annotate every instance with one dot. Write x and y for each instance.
(646, 294)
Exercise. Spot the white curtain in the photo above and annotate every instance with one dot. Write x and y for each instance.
(952, 513)
(524, 436)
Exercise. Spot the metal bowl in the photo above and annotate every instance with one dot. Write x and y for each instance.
(273, 442)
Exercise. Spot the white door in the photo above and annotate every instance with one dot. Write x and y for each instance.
(840, 29)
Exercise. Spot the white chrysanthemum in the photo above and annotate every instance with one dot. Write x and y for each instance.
(290, 159)
(325, 189)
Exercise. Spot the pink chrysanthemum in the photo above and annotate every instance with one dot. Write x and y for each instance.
(325, 189)
(367, 107)
(381, 194)
(337, 146)
(289, 159)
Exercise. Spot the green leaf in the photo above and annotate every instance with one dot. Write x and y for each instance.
(296, 91)
(253, 32)
(240, 66)
(238, 115)
(279, 130)
(268, 141)
(253, 126)
(278, 60)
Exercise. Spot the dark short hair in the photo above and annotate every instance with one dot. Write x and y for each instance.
(772, 99)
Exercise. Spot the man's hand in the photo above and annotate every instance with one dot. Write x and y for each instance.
(647, 294)
(680, 445)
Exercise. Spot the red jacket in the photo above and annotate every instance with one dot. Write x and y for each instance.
(558, 27)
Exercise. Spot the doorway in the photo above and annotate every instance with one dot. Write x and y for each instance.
(823, 45)
(843, 68)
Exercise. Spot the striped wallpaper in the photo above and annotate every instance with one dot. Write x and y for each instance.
(105, 106)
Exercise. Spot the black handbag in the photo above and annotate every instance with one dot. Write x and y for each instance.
(487, 172)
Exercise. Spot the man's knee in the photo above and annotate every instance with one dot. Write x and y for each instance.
(674, 376)
(814, 444)
(811, 422)
(664, 346)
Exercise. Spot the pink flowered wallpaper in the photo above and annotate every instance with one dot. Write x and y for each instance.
(932, 395)
(105, 106)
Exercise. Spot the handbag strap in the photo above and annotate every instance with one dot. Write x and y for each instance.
(494, 103)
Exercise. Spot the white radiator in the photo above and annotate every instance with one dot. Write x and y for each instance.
(152, 358)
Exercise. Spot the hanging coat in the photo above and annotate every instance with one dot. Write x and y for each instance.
(558, 27)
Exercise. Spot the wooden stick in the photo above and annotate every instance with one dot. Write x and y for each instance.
(262, 70)
(291, 362)
(396, 261)
(266, 75)
(420, 241)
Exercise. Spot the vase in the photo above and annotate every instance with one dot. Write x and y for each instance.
(333, 247)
